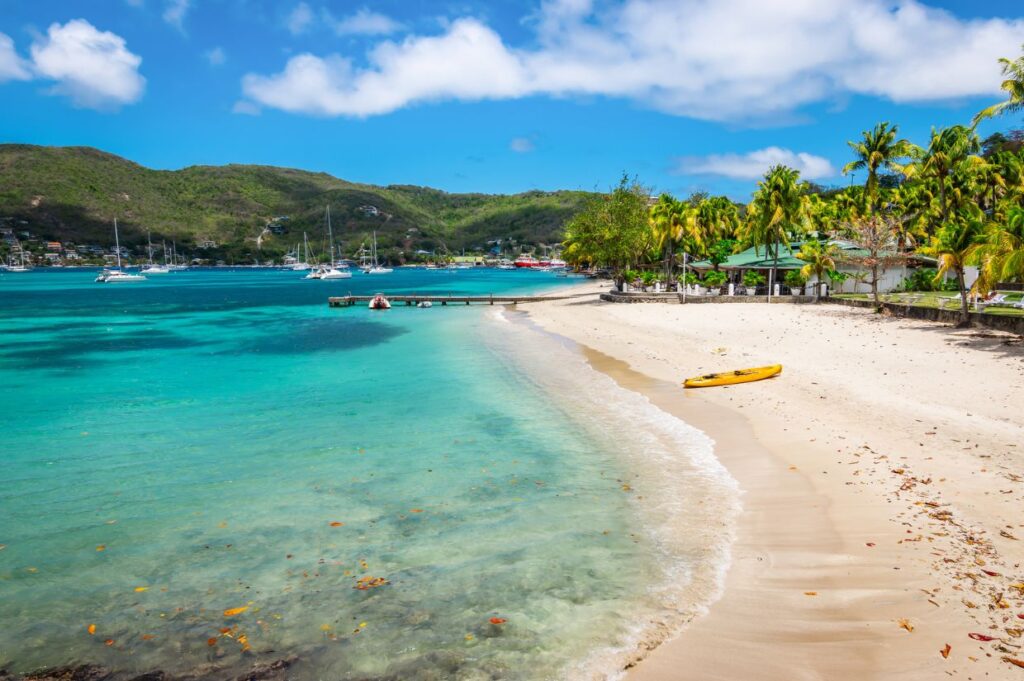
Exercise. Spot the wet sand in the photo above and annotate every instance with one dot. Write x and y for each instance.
(883, 480)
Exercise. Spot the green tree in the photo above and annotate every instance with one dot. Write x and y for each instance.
(613, 229)
(776, 210)
(1013, 70)
(672, 224)
(955, 245)
(1001, 254)
(820, 259)
(877, 149)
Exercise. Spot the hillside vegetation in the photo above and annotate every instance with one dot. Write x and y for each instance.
(74, 193)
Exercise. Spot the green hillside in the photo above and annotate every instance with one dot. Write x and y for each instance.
(73, 194)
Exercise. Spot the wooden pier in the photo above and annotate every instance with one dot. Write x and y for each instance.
(411, 300)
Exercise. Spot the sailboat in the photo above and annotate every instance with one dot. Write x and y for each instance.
(376, 268)
(331, 270)
(118, 276)
(302, 264)
(152, 268)
(12, 267)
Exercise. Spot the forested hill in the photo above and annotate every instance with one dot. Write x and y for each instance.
(73, 194)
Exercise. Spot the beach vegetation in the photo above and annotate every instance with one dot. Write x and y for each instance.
(715, 278)
(777, 210)
(753, 279)
(1013, 85)
(820, 258)
(879, 149)
(794, 279)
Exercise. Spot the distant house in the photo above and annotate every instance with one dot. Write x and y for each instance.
(53, 246)
(369, 210)
(207, 243)
(72, 255)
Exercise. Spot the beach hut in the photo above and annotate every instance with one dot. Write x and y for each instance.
(738, 264)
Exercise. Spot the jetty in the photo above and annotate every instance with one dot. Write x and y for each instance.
(450, 299)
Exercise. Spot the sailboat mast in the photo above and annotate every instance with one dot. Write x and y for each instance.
(117, 245)
(330, 233)
(149, 247)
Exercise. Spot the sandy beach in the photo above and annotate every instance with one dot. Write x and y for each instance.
(882, 477)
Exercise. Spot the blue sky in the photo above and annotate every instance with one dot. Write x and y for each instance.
(499, 96)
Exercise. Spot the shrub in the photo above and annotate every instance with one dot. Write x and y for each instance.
(689, 278)
(648, 278)
(921, 279)
(752, 278)
(794, 279)
(715, 278)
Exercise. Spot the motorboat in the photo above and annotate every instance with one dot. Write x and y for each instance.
(525, 261)
(379, 302)
(424, 303)
(506, 264)
(118, 276)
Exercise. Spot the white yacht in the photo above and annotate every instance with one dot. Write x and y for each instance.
(14, 267)
(302, 265)
(118, 276)
(377, 268)
(331, 270)
(152, 268)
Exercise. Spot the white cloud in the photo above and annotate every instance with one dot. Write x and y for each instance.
(364, 22)
(724, 60)
(245, 108)
(175, 11)
(94, 68)
(12, 67)
(216, 56)
(300, 18)
(753, 165)
(522, 145)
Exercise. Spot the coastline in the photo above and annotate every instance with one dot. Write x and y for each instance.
(858, 517)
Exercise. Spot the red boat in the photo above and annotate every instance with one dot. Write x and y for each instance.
(379, 302)
(526, 261)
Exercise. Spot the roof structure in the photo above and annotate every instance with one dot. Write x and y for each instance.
(761, 259)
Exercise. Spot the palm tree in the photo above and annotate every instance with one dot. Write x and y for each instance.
(956, 244)
(878, 149)
(1001, 256)
(820, 259)
(1014, 87)
(778, 208)
(716, 218)
(672, 224)
(945, 166)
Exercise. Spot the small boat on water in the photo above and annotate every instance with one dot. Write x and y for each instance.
(379, 302)
(526, 261)
(506, 264)
(733, 377)
(15, 267)
(424, 303)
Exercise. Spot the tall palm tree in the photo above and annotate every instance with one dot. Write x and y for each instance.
(877, 149)
(945, 166)
(672, 224)
(1014, 87)
(820, 259)
(716, 218)
(956, 244)
(779, 207)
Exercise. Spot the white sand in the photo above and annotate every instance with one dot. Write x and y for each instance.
(883, 473)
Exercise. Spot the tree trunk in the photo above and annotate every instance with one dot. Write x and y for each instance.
(669, 256)
(965, 314)
(874, 286)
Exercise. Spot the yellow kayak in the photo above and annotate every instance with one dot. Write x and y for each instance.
(731, 377)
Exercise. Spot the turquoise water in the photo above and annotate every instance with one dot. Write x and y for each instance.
(215, 440)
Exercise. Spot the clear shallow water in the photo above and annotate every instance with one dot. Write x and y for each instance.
(208, 431)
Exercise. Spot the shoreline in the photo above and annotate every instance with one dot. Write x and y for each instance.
(850, 526)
